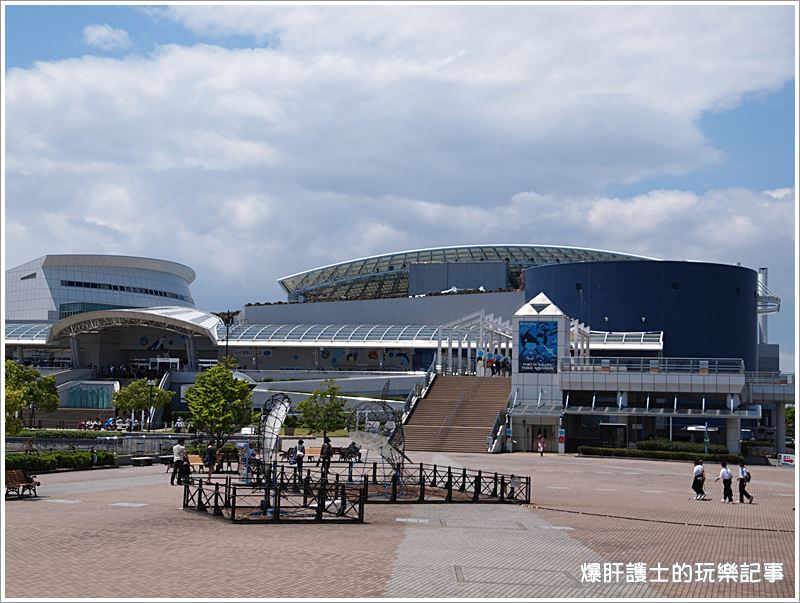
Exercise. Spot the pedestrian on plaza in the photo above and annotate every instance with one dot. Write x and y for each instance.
(698, 477)
(540, 444)
(219, 456)
(744, 479)
(325, 454)
(249, 456)
(179, 425)
(299, 456)
(210, 458)
(178, 459)
(727, 479)
(93, 455)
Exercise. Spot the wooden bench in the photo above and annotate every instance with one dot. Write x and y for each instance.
(18, 482)
(343, 454)
(196, 459)
(311, 454)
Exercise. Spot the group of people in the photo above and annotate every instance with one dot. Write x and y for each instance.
(494, 365)
(726, 475)
(110, 424)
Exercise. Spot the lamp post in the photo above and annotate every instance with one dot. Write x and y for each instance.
(644, 320)
(227, 320)
(150, 385)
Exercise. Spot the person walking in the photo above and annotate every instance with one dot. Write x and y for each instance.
(698, 476)
(325, 454)
(210, 458)
(727, 479)
(540, 444)
(299, 456)
(178, 457)
(744, 479)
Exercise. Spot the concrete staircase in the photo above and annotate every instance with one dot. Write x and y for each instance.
(457, 414)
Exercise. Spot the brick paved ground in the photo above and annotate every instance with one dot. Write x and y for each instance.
(79, 541)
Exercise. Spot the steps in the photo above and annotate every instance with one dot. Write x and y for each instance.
(457, 414)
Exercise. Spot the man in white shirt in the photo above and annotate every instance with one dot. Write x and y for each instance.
(178, 458)
(727, 478)
(744, 478)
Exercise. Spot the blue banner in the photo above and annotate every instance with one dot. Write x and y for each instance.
(538, 347)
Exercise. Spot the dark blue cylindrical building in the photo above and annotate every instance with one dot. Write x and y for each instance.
(705, 310)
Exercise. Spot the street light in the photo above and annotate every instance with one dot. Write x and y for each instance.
(150, 385)
(227, 320)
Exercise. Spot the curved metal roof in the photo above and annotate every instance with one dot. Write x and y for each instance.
(73, 260)
(386, 275)
(179, 319)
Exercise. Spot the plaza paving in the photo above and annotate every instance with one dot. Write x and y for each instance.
(121, 533)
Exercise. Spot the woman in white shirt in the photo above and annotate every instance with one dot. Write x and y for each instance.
(727, 479)
(698, 477)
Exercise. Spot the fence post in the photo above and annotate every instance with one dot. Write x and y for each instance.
(350, 472)
(421, 497)
(434, 479)
(502, 488)
(374, 472)
(393, 497)
(276, 508)
(528, 492)
(305, 491)
(227, 491)
(494, 487)
(463, 486)
(477, 486)
(233, 505)
(361, 502)
(201, 506)
(217, 508)
(343, 502)
(321, 499)
(366, 488)
(185, 495)
(449, 496)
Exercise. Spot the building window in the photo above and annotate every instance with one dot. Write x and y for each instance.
(127, 289)
(28, 276)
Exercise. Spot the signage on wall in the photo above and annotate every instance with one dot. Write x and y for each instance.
(538, 347)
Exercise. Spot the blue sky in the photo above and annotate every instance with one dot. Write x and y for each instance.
(661, 130)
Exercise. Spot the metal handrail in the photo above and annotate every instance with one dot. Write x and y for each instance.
(500, 419)
(666, 365)
(416, 394)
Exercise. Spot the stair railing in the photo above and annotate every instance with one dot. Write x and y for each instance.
(500, 421)
(419, 391)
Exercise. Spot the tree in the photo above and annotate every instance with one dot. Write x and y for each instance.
(323, 410)
(219, 403)
(139, 396)
(27, 388)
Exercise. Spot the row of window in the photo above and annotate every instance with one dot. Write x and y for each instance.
(127, 289)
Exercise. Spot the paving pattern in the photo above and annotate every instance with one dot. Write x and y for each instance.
(121, 533)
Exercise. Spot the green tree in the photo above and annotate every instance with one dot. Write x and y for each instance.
(219, 403)
(138, 396)
(26, 388)
(323, 410)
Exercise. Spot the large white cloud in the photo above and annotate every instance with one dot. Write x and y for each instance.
(353, 131)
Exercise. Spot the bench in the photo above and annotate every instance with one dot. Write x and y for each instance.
(18, 482)
(196, 459)
(141, 461)
(343, 454)
(311, 454)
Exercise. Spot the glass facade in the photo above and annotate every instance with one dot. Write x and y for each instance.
(387, 275)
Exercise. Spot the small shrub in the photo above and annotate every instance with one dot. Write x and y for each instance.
(78, 459)
(672, 446)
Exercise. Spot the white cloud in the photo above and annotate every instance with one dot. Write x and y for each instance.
(106, 37)
(360, 130)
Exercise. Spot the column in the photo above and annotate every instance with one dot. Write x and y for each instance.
(439, 350)
(191, 361)
(460, 353)
(780, 427)
(733, 430)
(450, 351)
(75, 351)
